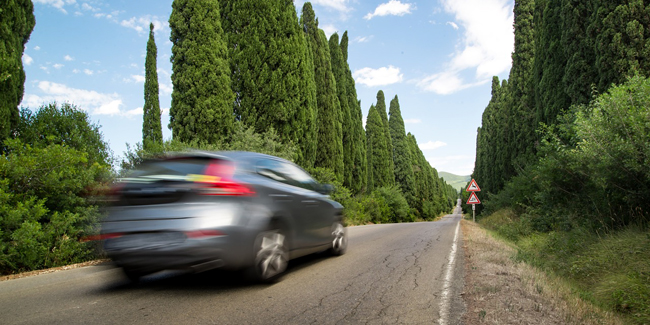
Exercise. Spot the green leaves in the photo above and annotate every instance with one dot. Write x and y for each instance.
(151, 125)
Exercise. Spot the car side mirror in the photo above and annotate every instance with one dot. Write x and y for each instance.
(325, 189)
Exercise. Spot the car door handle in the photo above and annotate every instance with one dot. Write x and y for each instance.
(281, 197)
(310, 203)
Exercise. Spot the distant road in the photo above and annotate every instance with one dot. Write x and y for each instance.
(394, 273)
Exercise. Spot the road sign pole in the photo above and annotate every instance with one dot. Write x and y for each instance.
(474, 212)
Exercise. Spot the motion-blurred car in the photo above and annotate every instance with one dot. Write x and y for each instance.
(232, 210)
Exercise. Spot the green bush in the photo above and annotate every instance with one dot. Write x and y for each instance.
(398, 208)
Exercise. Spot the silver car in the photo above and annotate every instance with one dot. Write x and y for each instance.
(232, 210)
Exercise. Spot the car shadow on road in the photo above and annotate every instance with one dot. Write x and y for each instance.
(212, 281)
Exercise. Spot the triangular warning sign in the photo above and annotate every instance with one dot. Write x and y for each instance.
(473, 199)
(473, 187)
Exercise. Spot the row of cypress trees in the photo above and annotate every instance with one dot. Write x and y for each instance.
(256, 63)
(566, 52)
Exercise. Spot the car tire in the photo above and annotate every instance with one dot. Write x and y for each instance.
(271, 256)
(339, 239)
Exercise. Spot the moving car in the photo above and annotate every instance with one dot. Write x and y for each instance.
(232, 210)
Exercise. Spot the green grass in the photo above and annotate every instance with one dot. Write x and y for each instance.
(455, 181)
(610, 270)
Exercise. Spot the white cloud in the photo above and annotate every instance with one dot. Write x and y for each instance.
(27, 60)
(86, 6)
(88, 72)
(340, 5)
(134, 112)
(329, 30)
(141, 24)
(90, 100)
(37, 47)
(378, 77)
(165, 89)
(485, 48)
(392, 7)
(363, 39)
(68, 58)
(412, 121)
(165, 111)
(75, 71)
(432, 145)
(452, 24)
(458, 165)
(58, 4)
(135, 78)
(58, 66)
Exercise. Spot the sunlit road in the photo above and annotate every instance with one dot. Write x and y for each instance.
(395, 273)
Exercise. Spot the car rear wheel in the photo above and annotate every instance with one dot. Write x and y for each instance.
(339, 239)
(271, 256)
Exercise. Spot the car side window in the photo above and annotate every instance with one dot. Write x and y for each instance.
(286, 173)
(271, 169)
(298, 176)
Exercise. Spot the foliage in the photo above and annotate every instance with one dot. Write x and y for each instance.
(357, 143)
(272, 72)
(386, 138)
(401, 154)
(151, 125)
(338, 69)
(66, 125)
(202, 100)
(16, 25)
(49, 177)
(379, 172)
(398, 208)
(329, 134)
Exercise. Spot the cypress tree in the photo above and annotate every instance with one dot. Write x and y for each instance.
(338, 68)
(359, 167)
(202, 99)
(151, 126)
(378, 161)
(16, 25)
(272, 71)
(381, 109)
(580, 70)
(329, 140)
(401, 153)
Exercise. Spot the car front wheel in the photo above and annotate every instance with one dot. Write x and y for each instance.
(339, 239)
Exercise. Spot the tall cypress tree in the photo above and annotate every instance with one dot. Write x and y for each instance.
(202, 99)
(378, 160)
(359, 167)
(381, 110)
(401, 153)
(329, 141)
(151, 126)
(272, 71)
(338, 68)
(16, 25)
(580, 69)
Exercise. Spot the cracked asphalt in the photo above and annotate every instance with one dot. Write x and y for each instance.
(391, 274)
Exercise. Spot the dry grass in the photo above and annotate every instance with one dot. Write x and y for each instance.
(499, 290)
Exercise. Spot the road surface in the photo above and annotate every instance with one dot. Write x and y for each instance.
(408, 273)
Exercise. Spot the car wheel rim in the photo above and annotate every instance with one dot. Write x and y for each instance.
(271, 258)
(338, 237)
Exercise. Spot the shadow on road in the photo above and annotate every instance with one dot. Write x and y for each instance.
(212, 281)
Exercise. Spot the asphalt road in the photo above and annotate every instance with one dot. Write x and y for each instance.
(391, 274)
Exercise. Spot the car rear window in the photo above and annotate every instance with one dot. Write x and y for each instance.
(172, 167)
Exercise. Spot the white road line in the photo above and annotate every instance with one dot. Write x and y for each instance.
(446, 288)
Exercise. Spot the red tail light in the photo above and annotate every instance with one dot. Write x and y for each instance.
(203, 233)
(218, 180)
(101, 237)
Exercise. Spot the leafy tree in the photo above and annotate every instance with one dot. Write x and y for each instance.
(202, 100)
(359, 168)
(16, 25)
(66, 125)
(580, 70)
(151, 127)
(381, 109)
(401, 153)
(272, 72)
(338, 68)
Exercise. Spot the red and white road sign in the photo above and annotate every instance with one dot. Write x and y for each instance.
(473, 187)
(473, 199)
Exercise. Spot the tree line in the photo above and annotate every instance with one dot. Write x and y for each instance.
(572, 60)
(247, 75)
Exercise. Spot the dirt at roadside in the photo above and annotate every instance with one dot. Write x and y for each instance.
(499, 290)
(50, 270)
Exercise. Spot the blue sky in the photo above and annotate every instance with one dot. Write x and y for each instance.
(437, 56)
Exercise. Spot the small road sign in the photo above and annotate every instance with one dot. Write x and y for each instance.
(473, 187)
(473, 199)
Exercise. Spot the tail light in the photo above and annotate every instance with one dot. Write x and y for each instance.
(197, 234)
(101, 237)
(217, 179)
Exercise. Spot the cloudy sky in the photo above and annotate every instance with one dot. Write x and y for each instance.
(437, 56)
